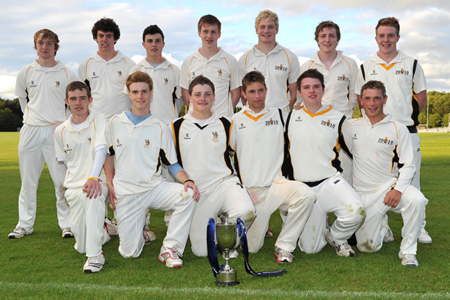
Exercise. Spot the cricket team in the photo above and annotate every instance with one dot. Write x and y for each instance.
(112, 137)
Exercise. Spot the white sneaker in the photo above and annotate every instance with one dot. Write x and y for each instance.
(283, 256)
(110, 227)
(170, 257)
(67, 233)
(408, 260)
(18, 233)
(343, 249)
(389, 237)
(94, 264)
(424, 237)
(269, 233)
(149, 236)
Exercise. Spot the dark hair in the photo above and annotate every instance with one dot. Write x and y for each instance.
(310, 73)
(327, 24)
(201, 80)
(152, 29)
(139, 76)
(251, 77)
(374, 85)
(106, 25)
(210, 20)
(78, 85)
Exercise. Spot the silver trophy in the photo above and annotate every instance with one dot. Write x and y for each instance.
(227, 235)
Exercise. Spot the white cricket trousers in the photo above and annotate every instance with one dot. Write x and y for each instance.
(411, 207)
(337, 196)
(228, 196)
(294, 197)
(36, 146)
(130, 215)
(87, 217)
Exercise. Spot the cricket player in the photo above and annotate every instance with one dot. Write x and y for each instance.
(106, 71)
(259, 127)
(406, 88)
(80, 143)
(314, 135)
(139, 143)
(214, 63)
(40, 87)
(383, 157)
(278, 64)
(201, 140)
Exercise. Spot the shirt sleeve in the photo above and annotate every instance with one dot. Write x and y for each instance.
(420, 83)
(184, 75)
(235, 78)
(60, 154)
(351, 89)
(167, 145)
(359, 82)
(294, 74)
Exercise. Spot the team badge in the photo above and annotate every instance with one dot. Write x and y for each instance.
(119, 73)
(271, 122)
(57, 84)
(219, 72)
(280, 68)
(147, 143)
(401, 72)
(215, 137)
(327, 123)
(166, 81)
(385, 141)
(342, 78)
(89, 140)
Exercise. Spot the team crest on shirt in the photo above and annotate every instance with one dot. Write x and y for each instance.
(89, 140)
(166, 81)
(386, 141)
(219, 73)
(187, 137)
(343, 78)
(57, 84)
(280, 68)
(401, 72)
(215, 137)
(119, 73)
(327, 123)
(118, 144)
(271, 122)
(94, 76)
(147, 143)
(33, 84)
(68, 149)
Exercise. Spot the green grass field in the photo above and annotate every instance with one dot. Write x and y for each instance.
(45, 266)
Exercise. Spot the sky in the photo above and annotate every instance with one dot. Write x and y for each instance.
(423, 32)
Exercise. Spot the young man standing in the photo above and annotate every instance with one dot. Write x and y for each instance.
(405, 84)
(279, 65)
(106, 71)
(214, 63)
(314, 135)
(139, 143)
(383, 172)
(164, 74)
(80, 143)
(259, 127)
(40, 87)
(201, 140)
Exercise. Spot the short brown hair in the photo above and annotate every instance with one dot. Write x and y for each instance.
(310, 73)
(390, 21)
(251, 77)
(210, 20)
(268, 15)
(139, 76)
(374, 85)
(201, 80)
(327, 24)
(78, 85)
(47, 34)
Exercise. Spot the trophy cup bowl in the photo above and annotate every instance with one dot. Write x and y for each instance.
(227, 235)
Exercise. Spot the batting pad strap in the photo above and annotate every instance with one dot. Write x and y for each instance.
(244, 247)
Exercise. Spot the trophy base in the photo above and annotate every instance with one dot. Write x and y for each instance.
(227, 278)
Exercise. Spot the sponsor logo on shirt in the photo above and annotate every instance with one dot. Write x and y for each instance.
(215, 137)
(355, 137)
(280, 68)
(374, 73)
(401, 72)
(327, 124)
(299, 119)
(386, 141)
(193, 75)
(343, 78)
(147, 143)
(33, 84)
(94, 76)
(68, 149)
(57, 84)
(271, 122)
(118, 144)
(187, 137)
(242, 126)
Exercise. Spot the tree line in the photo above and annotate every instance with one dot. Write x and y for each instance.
(438, 111)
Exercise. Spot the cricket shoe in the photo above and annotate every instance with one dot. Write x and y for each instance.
(343, 249)
(269, 233)
(408, 260)
(170, 257)
(149, 236)
(283, 256)
(389, 237)
(67, 233)
(94, 264)
(424, 237)
(110, 227)
(18, 233)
